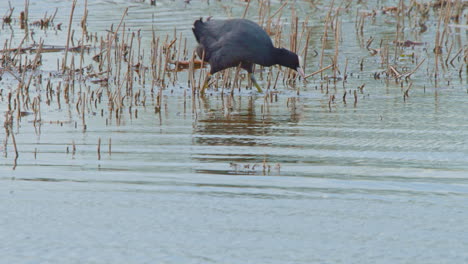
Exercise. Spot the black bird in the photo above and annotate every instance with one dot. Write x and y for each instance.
(233, 42)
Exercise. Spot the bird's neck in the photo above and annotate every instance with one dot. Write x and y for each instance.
(282, 57)
(276, 58)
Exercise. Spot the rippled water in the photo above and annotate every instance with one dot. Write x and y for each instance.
(243, 180)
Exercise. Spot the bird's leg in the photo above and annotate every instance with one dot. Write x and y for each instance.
(205, 83)
(254, 82)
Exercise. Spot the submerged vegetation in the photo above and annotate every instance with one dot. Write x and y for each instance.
(115, 74)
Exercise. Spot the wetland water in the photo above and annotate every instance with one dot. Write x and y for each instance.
(242, 179)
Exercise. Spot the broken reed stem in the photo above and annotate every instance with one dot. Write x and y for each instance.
(319, 71)
(415, 69)
(279, 10)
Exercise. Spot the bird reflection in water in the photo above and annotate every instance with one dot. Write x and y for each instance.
(233, 123)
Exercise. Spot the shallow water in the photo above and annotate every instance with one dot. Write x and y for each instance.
(243, 179)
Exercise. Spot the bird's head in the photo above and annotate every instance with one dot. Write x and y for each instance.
(290, 59)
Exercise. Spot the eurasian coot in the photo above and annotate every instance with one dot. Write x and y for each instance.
(234, 42)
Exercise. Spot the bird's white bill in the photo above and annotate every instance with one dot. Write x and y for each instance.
(301, 72)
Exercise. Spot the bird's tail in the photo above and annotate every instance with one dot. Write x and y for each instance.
(197, 29)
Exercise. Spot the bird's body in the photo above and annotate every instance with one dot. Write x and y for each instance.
(228, 49)
(233, 42)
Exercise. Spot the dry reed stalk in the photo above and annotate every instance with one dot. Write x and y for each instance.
(57, 92)
(24, 86)
(179, 50)
(226, 80)
(304, 31)
(191, 74)
(162, 51)
(83, 104)
(345, 74)
(293, 35)
(99, 148)
(237, 81)
(400, 26)
(120, 56)
(67, 45)
(185, 52)
(111, 40)
(277, 11)
(306, 49)
(355, 98)
(437, 48)
(405, 94)
(337, 37)
(24, 18)
(154, 59)
(140, 56)
(18, 50)
(276, 80)
(261, 14)
(110, 147)
(325, 34)
(447, 15)
(246, 9)
(13, 139)
(84, 32)
(8, 125)
(129, 81)
(166, 60)
(200, 76)
(269, 76)
(330, 101)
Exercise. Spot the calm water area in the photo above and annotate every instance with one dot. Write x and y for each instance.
(302, 178)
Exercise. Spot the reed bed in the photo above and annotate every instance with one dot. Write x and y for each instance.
(111, 75)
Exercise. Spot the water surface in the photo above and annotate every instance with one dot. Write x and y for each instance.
(242, 179)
